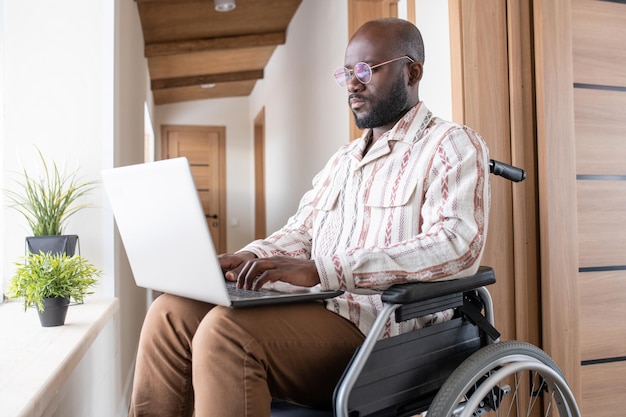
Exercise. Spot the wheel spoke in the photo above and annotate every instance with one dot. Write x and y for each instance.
(479, 386)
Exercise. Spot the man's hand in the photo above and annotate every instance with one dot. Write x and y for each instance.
(233, 263)
(256, 272)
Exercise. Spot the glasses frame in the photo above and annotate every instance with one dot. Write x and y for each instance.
(343, 82)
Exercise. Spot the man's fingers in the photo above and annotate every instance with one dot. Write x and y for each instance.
(231, 275)
(249, 273)
(256, 273)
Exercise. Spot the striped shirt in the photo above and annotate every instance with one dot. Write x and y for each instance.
(413, 208)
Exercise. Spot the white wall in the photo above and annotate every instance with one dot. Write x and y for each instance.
(58, 97)
(2, 140)
(431, 17)
(127, 147)
(306, 113)
(75, 82)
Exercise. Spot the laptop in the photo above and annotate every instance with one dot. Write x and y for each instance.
(166, 237)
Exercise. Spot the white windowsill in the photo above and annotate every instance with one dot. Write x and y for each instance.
(36, 361)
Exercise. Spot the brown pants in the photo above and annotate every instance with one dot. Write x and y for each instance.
(231, 362)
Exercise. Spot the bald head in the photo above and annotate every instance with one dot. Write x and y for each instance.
(399, 36)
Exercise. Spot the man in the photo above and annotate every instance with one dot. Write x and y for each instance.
(406, 202)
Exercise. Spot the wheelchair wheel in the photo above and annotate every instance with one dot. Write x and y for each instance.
(505, 379)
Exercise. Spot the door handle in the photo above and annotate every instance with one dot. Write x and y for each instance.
(212, 216)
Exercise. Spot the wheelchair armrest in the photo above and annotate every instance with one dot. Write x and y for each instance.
(421, 298)
(422, 291)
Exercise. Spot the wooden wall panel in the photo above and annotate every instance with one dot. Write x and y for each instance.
(602, 307)
(556, 159)
(479, 43)
(600, 131)
(599, 42)
(601, 220)
(523, 154)
(602, 396)
(360, 11)
(599, 58)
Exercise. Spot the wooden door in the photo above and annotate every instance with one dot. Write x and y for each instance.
(598, 56)
(580, 57)
(359, 12)
(204, 147)
(260, 224)
(492, 80)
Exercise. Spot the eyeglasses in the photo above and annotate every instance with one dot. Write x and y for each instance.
(361, 71)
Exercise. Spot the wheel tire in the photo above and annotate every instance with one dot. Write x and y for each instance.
(502, 360)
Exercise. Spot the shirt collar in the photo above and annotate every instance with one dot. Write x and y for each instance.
(409, 129)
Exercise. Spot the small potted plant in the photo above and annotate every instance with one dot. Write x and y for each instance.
(47, 201)
(49, 281)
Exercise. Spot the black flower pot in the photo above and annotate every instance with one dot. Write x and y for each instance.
(54, 311)
(55, 244)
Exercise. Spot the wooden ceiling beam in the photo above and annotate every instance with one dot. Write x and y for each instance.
(227, 42)
(164, 83)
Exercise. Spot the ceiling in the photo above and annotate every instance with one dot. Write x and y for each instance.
(190, 45)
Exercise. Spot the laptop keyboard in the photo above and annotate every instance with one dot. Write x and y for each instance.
(233, 291)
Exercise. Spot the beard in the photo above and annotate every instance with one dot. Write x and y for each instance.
(387, 110)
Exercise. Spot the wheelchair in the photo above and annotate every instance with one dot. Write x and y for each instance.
(458, 368)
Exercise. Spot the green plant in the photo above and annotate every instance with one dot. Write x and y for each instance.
(47, 201)
(47, 275)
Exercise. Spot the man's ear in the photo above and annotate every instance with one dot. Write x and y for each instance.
(415, 73)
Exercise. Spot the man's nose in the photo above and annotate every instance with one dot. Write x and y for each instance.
(353, 84)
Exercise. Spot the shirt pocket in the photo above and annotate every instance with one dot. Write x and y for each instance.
(388, 193)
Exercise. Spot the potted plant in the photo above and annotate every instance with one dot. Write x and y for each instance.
(47, 201)
(49, 281)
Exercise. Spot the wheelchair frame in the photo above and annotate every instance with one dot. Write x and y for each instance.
(458, 368)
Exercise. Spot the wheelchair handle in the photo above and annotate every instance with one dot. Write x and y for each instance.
(507, 171)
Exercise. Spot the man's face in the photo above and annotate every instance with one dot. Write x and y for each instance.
(384, 99)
